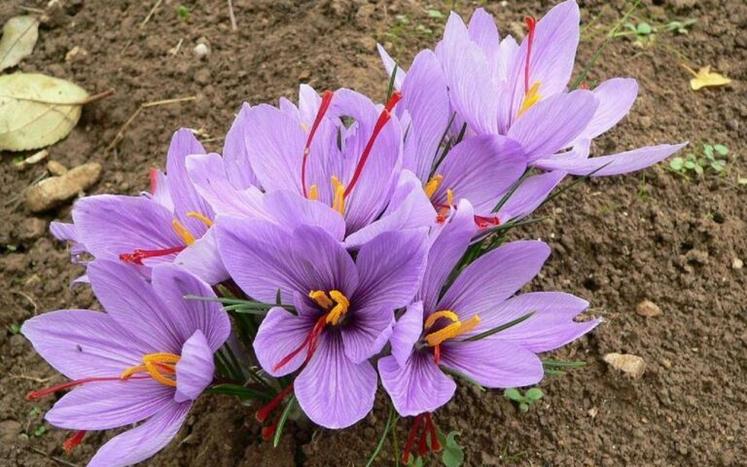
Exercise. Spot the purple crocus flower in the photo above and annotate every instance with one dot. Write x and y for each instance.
(169, 224)
(500, 87)
(435, 331)
(344, 309)
(145, 360)
(338, 155)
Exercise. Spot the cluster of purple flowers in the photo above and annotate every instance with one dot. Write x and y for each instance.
(367, 232)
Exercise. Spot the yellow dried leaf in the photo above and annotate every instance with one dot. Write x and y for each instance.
(19, 37)
(37, 110)
(705, 77)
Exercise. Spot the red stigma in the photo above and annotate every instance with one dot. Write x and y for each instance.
(264, 412)
(137, 256)
(73, 441)
(33, 395)
(437, 354)
(531, 26)
(583, 85)
(428, 431)
(310, 344)
(384, 117)
(323, 107)
(483, 222)
(153, 175)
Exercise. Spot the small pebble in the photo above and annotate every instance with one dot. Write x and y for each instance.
(76, 53)
(53, 191)
(32, 228)
(737, 263)
(202, 76)
(632, 365)
(593, 412)
(56, 168)
(648, 309)
(201, 51)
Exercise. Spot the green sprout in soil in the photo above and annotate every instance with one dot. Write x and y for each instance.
(14, 328)
(644, 33)
(182, 12)
(525, 400)
(713, 158)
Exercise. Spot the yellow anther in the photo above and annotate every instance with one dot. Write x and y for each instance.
(321, 299)
(182, 232)
(530, 98)
(338, 203)
(450, 197)
(333, 299)
(200, 217)
(154, 364)
(432, 186)
(451, 331)
(314, 192)
(448, 314)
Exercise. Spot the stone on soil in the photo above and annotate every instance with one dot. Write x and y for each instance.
(630, 364)
(53, 191)
(648, 309)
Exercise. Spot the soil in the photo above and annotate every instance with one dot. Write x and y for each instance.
(653, 236)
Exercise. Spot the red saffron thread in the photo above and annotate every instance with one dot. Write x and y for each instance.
(137, 256)
(411, 439)
(323, 107)
(153, 180)
(484, 222)
(73, 441)
(384, 117)
(531, 23)
(268, 408)
(310, 344)
(33, 395)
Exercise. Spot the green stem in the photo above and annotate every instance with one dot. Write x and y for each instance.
(380, 445)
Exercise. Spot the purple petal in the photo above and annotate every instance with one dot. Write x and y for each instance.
(239, 168)
(389, 65)
(275, 143)
(144, 441)
(185, 316)
(494, 277)
(409, 208)
(418, 386)
(366, 333)
(390, 268)
(183, 193)
(203, 259)
(529, 195)
(292, 210)
(83, 343)
(262, 258)
(68, 233)
(110, 225)
(426, 100)
(195, 369)
(445, 253)
(280, 334)
(332, 390)
(131, 302)
(479, 169)
(309, 102)
(550, 326)
(159, 189)
(493, 363)
(615, 164)
(551, 64)
(615, 96)
(553, 123)
(406, 332)
(110, 404)
(209, 173)
(483, 32)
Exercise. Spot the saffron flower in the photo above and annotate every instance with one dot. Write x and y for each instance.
(169, 224)
(500, 87)
(344, 309)
(448, 328)
(146, 359)
(338, 154)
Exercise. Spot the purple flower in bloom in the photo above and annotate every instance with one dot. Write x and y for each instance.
(435, 331)
(336, 158)
(144, 360)
(170, 224)
(520, 91)
(344, 309)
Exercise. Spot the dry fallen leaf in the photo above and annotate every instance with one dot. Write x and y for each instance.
(705, 77)
(37, 110)
(19, 37)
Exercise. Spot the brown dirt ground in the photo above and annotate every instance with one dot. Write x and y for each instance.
(652, 235)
